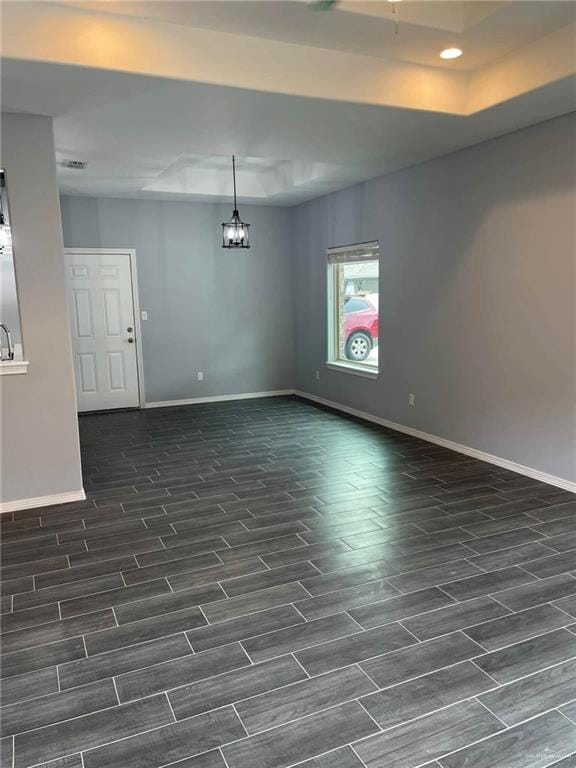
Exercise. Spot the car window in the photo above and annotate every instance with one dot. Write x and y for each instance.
(355, 305)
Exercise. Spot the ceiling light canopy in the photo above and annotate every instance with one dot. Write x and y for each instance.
(451, 53)
(235, 231)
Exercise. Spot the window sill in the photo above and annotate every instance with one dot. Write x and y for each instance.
(11, 367)
(355, 370)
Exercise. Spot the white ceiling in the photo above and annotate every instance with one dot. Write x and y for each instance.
(164, 138)
(486, 30)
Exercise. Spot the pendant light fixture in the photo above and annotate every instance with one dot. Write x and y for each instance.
(235, 231)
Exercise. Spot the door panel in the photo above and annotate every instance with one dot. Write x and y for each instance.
(87, 371)
(101, 311)
(116, 370)
(83, 313)
(112, 314)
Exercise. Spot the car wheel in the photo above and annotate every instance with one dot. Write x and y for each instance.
(358, 346)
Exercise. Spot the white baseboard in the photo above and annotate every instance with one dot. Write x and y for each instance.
(219, 398)
(536, 474)
(42, 501)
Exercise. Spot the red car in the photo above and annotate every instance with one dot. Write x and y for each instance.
(360, 325)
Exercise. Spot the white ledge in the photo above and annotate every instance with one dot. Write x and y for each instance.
(10, 367)
(355, 370)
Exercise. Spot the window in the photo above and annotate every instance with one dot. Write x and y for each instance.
(353, 307)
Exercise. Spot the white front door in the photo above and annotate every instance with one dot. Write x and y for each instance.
(102, 324)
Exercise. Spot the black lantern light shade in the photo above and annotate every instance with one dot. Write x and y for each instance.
(235, 231)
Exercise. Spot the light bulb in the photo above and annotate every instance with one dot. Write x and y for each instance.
(451, 53)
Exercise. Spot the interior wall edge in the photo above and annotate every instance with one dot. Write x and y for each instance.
(499, 461)
(40, 454)
(42, 501)
(219, 398)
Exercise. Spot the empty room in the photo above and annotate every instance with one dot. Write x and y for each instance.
(288, 384)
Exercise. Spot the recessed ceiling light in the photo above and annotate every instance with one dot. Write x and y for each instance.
(451, 53)
(76, 165)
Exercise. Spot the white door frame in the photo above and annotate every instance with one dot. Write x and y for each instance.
(131, 253)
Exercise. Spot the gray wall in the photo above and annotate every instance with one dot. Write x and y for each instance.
(40, 452)
(477, 288)
(226, 313)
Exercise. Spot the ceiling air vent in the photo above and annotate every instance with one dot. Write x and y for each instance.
(76, 165)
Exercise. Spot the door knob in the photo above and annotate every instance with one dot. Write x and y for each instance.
(129, 329)
(130, 340)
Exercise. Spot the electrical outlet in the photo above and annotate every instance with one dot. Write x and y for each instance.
(411, 399)
(200, 375)
(144, 315)
(317, 375)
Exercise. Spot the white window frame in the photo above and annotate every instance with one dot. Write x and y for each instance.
(341, 255)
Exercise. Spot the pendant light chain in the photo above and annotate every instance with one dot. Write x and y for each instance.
(234, 178)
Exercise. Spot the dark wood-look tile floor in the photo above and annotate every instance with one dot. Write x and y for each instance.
(264, 584)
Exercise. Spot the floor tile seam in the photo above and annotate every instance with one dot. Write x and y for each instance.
(293, 605)
(300, 583)
(538, 521)
(291, 626)
(40, 573)
(194, 654)
(510, 530)
(110, 708)
(526, 584)
(497, 733)
(121, 605)
(79, 581)
(287, 723)
(486, 621)
(508, 645)
(505, 729)
(38, 647)
(499, 591)
(353, 619)
(363, 661)
(557, 709)
(417, 551)
(175, 719)
(103, 653)
(298, 650)
(443, 583)
(444, 707)
(539, 578)
(118, 702)
(293, 656)
(515, 680)
(553, 604)
(487, 708)
(108, 743)
(473, 659)
(66, 599)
